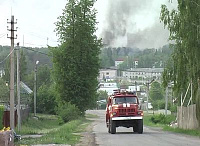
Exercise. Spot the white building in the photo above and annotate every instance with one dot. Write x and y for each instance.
(107, 74)
(108, 87)
(118, 62)
(2, 72)
(143, 73)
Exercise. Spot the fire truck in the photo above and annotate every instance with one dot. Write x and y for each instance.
(123, 110)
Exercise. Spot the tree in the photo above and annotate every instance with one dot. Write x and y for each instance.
(4, 91)
(46, 99)
(22, 65)
(183, 25)
(156, 95)
(76, 60)
(43, 75)
(102, 95)
(156, 92)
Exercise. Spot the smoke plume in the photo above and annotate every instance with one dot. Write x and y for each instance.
(135, 23)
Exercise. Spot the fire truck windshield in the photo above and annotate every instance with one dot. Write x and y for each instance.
(121, 100)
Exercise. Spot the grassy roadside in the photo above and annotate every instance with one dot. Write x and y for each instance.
(53, 133)
(165, 127)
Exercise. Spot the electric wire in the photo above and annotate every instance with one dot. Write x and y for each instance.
(2, 35)
(36, 51)
(7, 57)
(24, 48)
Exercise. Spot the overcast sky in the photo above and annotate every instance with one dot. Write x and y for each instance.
(133, 23)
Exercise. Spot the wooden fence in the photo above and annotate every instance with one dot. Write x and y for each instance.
(6, 117)
(186, 117)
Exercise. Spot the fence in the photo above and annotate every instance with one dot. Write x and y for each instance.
(6, 117)
(25, 113)
(186, 117)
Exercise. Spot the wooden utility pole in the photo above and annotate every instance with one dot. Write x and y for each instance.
(18, 88)
(147, 97)
(166, 100)
(12, 95)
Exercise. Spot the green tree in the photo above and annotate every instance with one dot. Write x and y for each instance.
(183, 25)
(156, 91)
(4, 91)
(102, 95)
(46, 99)
(43, 75)
(22, 65)
(76, 60)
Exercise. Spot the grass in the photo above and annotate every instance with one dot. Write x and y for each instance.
(148, 122)
(166, 127)
(91, 116)
(178, 130)
(53, 133)
(42, 125)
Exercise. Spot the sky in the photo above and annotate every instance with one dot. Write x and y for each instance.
(122, 23)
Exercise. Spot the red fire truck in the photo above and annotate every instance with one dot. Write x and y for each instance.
(123, 110)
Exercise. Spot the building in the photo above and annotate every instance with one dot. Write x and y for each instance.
(2, 72)
(108, 87)
(143, 73)
(107, 74)
(118, 62)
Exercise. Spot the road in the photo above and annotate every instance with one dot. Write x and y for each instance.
(125, 136)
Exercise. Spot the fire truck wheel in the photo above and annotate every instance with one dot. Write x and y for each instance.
(140, 126)
(112, 127)
(135, 129)
(109, 127)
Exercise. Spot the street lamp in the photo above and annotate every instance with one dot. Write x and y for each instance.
(35, 90)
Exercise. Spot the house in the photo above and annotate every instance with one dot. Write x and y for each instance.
(107, 74)
(118, 62)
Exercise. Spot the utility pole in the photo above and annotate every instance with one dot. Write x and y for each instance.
(166, 100)
(12, 95)
(18, 88)
(23, 40)
(35, 87)
(147, 97)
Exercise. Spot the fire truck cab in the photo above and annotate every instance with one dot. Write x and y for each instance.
(123, 110)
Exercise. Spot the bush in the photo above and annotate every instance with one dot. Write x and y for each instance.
(162, 119)
(67, 112)
(158, 118)
(160, 104)
(1, 116)
(46, 99)
(173, 108)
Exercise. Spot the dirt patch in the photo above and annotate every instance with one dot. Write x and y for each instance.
(88, 137)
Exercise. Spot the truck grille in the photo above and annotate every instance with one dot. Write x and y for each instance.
(126, 112)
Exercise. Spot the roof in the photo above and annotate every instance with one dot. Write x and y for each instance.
(119, 60)
(25, 88)
(146, 70)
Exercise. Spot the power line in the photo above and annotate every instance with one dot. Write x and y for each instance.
(7, 57)
(37, 51)
(2, 35)
(24, 48)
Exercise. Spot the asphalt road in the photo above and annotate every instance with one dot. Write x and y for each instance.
(125, 136)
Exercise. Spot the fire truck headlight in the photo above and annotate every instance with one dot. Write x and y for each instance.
(114, 113)
(140, 113)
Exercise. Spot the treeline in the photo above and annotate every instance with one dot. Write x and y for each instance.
(146, 58)
(31, 55)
